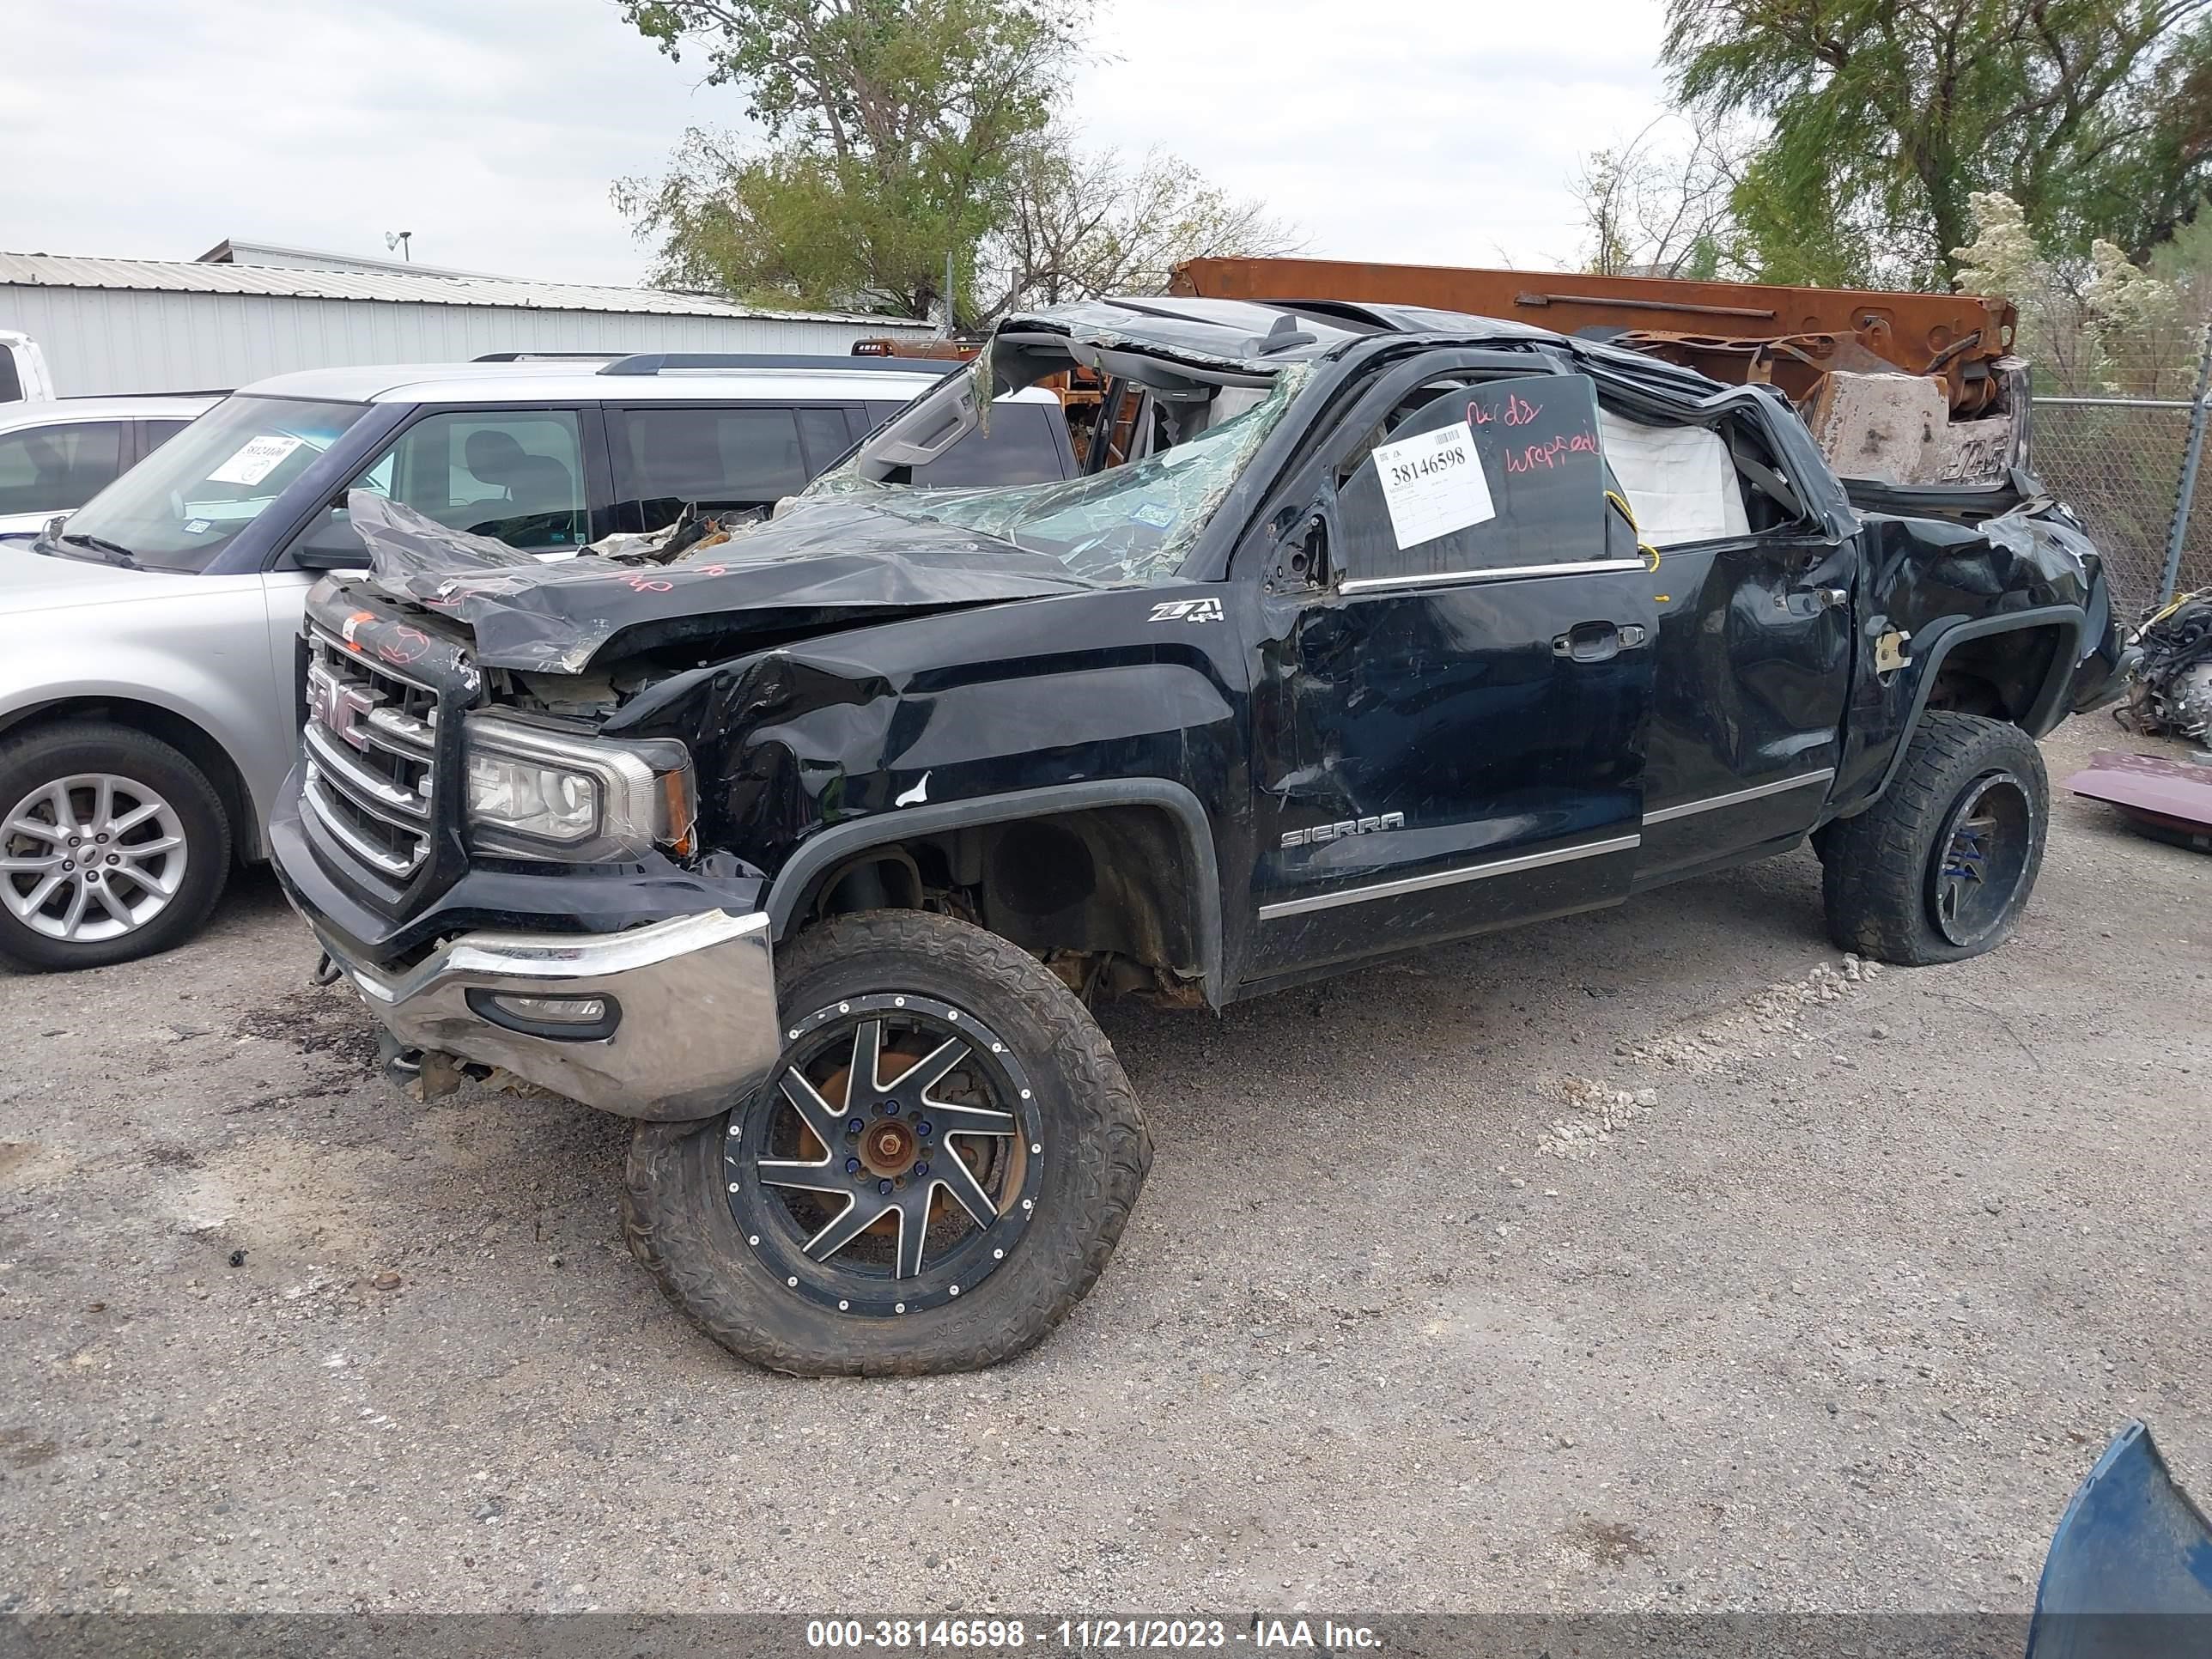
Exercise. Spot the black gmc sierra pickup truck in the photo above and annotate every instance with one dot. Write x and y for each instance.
(1366, 628)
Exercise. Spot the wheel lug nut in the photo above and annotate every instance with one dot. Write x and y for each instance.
(115, 858)
(884, 1187)
(922, 1169)
(853, 1125)
(851, 1166)
(923, 1127)
(890, 1108)
(101, 838)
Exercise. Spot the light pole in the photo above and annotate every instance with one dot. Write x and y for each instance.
(400, 240)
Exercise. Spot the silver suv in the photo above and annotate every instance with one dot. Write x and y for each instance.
(56, 453)
(148, 642)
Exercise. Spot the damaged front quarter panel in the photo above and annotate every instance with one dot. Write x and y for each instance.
(966, 706)
(2005, 614)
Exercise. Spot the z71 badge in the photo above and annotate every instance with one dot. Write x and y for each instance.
(1343, 827)
(1190, 610)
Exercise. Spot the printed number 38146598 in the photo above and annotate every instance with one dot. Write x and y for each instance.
(1438, 460)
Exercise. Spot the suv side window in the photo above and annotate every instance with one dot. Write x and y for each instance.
(58, 468)
(514, 474)
(1500, 474)
(828, 433)
(738, 455)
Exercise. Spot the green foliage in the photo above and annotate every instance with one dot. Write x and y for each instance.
(2099, 325)
(1884, 116)
(893, 132)
(1798, 230)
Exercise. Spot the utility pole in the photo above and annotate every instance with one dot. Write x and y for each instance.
(948, 293)
(2185, 493)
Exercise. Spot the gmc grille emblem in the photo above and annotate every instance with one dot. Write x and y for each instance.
(343, 708)
(349, 720)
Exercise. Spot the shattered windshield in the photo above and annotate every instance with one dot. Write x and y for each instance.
(1132, 524)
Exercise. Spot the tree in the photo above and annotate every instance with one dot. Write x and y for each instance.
(1083, 225)
(1660, 205)
(893, 129)
(891, 133)
(2094, 116)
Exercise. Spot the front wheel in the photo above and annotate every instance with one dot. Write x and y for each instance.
(112, 846)
(1940, 868)
(935, 1174)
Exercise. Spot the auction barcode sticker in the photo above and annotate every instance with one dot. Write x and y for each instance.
(255, 461)
(1433, 484)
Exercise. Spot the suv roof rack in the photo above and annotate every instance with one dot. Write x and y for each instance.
(656, 362)
(109, 397)
(543, 356)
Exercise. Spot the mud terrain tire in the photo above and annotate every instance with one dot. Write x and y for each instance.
(1888, 875)
(682, 1218)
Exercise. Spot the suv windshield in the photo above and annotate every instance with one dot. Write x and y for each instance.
(180, 506)
(1132, 523)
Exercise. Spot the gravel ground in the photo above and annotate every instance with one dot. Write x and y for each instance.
(1836, 1320)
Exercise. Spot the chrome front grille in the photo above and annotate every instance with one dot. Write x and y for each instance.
(371, 741)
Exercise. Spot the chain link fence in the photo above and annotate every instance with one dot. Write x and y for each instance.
(2127, 465)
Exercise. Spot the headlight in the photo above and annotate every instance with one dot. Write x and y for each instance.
(534, 792)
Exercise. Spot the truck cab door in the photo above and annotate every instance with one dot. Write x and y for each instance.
(1453, 678)
(1755, 640)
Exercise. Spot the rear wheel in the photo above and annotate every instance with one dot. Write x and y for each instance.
(112, 846)
(936, 1173)
(1940, 868)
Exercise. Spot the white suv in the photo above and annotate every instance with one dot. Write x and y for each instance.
(57, 454)
(147, 643)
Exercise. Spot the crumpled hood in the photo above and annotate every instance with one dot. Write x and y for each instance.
(818, 561)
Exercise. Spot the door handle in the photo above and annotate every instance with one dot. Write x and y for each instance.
(1597, 642)
(1812, 601)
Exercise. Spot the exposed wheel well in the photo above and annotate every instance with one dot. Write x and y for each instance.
(2001, 676)
(1112, 887)
(172, 728)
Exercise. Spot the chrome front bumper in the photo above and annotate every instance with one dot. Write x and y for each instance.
(696, 1028)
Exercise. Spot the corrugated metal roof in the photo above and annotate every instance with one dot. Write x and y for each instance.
(190, 277)
(231, 251)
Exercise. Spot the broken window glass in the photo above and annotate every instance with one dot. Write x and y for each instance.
(1132, 524)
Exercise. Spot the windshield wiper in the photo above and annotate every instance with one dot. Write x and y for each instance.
(120, 554)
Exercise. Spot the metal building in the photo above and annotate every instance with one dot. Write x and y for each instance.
(232, 252)
(132, 325)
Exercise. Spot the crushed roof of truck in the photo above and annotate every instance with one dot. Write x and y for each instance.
(854, 544)
(1245, 333)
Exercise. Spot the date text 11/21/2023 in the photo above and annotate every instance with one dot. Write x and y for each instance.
(1015, 1634)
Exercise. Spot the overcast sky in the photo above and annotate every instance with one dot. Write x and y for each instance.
(1384, 129)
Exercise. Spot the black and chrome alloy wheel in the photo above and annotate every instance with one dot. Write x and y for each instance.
(893, 1161)
(1983, 859)
(934, 1174)
(1941, 866)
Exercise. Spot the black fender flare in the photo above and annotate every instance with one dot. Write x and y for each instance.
(2049, 706)
(822, 852)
